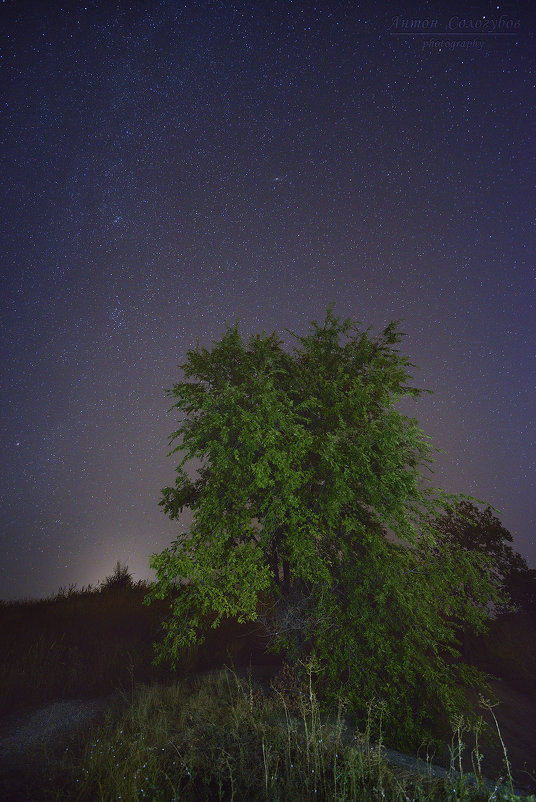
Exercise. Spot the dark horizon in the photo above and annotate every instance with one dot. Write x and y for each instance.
(167, 170)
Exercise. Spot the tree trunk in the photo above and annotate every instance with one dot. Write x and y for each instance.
(286, 577)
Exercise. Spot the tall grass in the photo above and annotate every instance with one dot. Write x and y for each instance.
(224, 738)
(90, 642)
(74, 644)
(173, 735)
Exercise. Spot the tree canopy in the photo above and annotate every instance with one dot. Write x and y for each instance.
(481, 531)
(311, 494)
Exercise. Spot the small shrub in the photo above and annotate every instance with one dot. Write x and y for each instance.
(121, 579)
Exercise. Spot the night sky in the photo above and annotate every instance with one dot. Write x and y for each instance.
(170, 167)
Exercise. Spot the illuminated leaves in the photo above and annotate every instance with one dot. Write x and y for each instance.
(308, 472)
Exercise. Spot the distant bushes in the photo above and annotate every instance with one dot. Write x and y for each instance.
(95, 641)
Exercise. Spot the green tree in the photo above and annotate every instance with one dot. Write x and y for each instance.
(311, 494)
(482, 532)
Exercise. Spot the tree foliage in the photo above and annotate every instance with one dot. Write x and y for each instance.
(311, 495)
(481, 531)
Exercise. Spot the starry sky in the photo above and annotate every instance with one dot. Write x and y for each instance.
(168, 168)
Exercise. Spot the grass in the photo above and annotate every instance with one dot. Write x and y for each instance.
(87, 643)
(178, 736)
(223, 738)
(74, 644)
